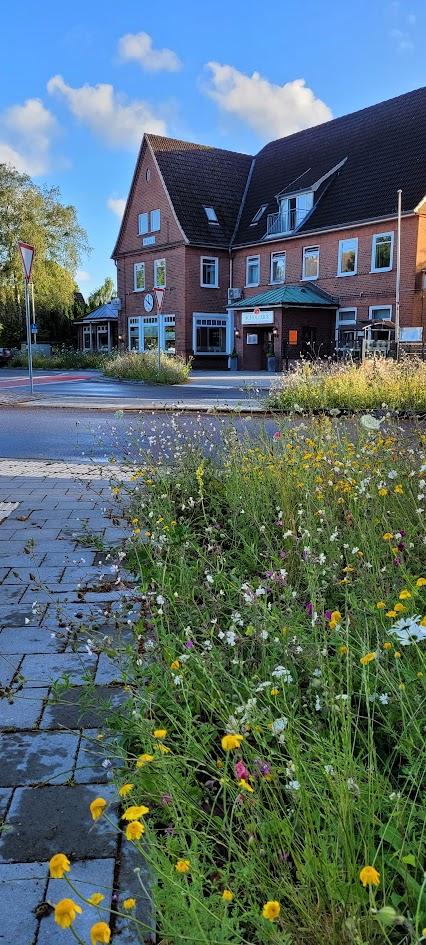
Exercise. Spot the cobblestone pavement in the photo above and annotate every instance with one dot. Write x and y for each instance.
(53, 761)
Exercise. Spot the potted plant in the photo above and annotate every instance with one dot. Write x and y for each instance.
(233, 360)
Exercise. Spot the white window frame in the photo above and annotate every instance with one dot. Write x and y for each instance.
(347, 322)
(310, 249)
(206, 320)
(259, 214)
(249, 259)
(152, 228)
(277, 281)
(212, 219)
(348, 239)
(138, 267)
(209, 259)
(372, 308)
(373, 253)
(141, 230)
(139, 322)
(157, 263)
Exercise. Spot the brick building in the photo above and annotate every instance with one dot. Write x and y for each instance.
(290, 251)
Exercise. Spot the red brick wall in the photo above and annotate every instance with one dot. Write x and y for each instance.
(361, 290)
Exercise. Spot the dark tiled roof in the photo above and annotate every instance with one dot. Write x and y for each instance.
(288, 295)
(197, 176)
(385, 146)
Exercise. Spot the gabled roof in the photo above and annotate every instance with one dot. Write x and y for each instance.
(197, 176)
(104, 313)
(385, 150)
(286, 295)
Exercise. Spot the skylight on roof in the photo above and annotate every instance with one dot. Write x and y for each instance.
(259, 213)
(211, 214)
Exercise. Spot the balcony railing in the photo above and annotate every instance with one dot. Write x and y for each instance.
(284, 222)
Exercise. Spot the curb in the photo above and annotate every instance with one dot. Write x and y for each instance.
(203, 406)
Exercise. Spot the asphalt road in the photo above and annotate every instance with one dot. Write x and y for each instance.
(85, 435)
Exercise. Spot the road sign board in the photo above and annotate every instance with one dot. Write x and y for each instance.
(27, 257)
(159, 295)
(34, 328)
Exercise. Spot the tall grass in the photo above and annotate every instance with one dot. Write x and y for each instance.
(274, 580)
(132, 365)
(62, 358)
(375, 384)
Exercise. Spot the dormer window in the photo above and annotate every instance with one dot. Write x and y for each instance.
(211, 214)
(259, 213)
(293, 210)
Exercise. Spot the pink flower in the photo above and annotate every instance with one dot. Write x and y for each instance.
(241, 771)
(277, 435)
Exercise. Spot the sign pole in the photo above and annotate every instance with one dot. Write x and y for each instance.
(159, 295)
(29, 343)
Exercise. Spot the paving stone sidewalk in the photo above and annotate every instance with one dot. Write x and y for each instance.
(52, 758)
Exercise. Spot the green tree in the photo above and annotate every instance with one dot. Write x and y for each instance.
(104, 294)
(36, 215)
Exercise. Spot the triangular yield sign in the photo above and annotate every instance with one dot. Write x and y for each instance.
(27, 256)
(159, 295)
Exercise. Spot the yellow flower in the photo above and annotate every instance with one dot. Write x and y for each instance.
(58, 865)
(388, 536)
(183, 866)
(97, 807)
(405, 595)
(144, 760)
(229, 742)
(134, 830)
(423, 621)
(399, 608)
(66, 912)
(135, 812)
(369, 876)
(383, 491)
(271, 910)
(397, 654)
(387, 645)
(129, 903)
(401, 685)
(100, 932)
(160, 732)
(398, 490)
(95, 899)
(244, 784)
(391, 613)
(163, 749)
(175, 664)
(274, 691)
(421, 582)
(380, 605)
(227, 895)
(343, 650)
(125, 789)
(367, 658)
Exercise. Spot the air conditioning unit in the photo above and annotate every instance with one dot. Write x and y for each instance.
(234, 295)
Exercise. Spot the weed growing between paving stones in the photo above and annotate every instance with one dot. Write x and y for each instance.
(378, 383)
(277, 731)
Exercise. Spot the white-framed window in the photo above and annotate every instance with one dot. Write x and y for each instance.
(382, 252)
(277, 268)
(345, 327)
(143, 333)
(293, 211)
(252, 270)
(209, 272)
(87, 337)
(259, 213)
(143, 223)
(310, 263)
(348, 257)
(211, 214)
(159, 273)
(380, 313)
(211, 334)
(155, 221)
(139, 277)
(346, 316)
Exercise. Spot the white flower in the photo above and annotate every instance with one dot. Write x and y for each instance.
(384, 698)
(329, 769)
(293, 786)
(177, 680)
(392, 474)
(264, 634)
(317, 673)
(317, 704)
(230, 637)
(279, 725)
(209, 579)
(160, 600)
(408, 630)
(262, 686)
(322, 558)
(353, 786)
(260, 591)
(333, 536)
(280, 672)
(370, 423)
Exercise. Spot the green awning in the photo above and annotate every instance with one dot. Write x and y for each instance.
(288, 295)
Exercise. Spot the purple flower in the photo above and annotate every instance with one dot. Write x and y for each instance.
(277, 435)
(189, 645)
(327, 615)
(166, 799)
(401, 546)
(283, 554)
(397, 561)
(309, 609)
(263, 767)
(170, 831)
(241, 771)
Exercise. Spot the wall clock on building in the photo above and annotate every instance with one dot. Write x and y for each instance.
(148, 302)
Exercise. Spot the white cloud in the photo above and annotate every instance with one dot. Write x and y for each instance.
(272, 110)
(412, 19)
(82, 276)
(27, 132)
(117, 205)
(402, 39)
(121, 123)
(138, 47)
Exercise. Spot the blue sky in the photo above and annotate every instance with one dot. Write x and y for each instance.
(81, 81)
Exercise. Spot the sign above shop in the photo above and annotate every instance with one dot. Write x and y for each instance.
(257, 318)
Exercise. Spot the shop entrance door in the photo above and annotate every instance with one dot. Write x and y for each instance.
(256, 344)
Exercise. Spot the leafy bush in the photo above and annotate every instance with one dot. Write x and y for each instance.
(376, 383)
(62, 358)
(283, 586)
(144, 367)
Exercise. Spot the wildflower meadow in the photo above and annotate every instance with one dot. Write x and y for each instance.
(273, 744)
